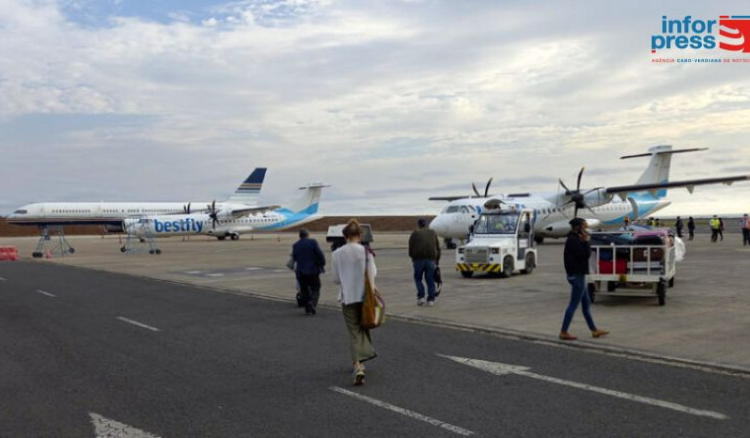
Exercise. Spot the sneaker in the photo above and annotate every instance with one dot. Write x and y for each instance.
(431, 303)
(565, 336)
(421, 301)
(359, 377)
(599, 333)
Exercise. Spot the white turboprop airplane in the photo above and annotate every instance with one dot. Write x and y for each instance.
(222, 224)
(111, 214)
(605, 207)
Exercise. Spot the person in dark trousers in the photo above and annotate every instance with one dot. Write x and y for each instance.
(745, 227)
(691, 228)
(424, 250)
(310, 262)
(576, 258)
(678, 226)
(715, 225)
(721, 229)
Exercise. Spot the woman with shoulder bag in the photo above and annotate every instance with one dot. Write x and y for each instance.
(350, 262)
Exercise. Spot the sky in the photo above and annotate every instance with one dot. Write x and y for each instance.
(390, 102)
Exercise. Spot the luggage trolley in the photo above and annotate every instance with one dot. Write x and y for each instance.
(632, 263)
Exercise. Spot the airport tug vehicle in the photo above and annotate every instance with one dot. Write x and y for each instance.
(501, 242)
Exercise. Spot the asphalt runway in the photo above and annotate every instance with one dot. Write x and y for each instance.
(86, 353)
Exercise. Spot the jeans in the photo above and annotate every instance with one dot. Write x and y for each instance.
(425, 268)
(309, 288)
(745, 236)
(578, 294)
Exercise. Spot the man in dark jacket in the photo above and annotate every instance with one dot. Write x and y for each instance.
(424, 250)
(309, 261)
(576, 258)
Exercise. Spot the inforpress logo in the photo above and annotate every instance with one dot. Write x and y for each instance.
(731, 31)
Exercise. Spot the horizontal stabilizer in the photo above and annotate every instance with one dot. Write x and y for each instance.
(664, 152)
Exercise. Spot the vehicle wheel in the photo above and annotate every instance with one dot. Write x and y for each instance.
(661, 293)
(449, 244)
(467, 274)
(611, 286)
(150, 251)
(158, 252)
(592, 292)
(539, 239)
(235, 237)
(507, 267)
(671, 282)
(71, 250)
(530, 264)
(37, 255)
(123, 249)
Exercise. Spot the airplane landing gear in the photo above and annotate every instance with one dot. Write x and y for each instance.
(61, 248)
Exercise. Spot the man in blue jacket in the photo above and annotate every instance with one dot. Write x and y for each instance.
(309, 261)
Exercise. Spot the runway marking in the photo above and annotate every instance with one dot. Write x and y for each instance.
(193, 272)
(402, 411)
(46, 293)
(215, 274)
(139, 324)
(501, 369)
(253, 268)
(107, 428)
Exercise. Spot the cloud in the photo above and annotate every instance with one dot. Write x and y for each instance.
(385, 100)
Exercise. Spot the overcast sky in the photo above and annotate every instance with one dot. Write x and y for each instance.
(389, 101)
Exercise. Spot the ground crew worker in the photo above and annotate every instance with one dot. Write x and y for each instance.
(745, 226)
(678, 226)
(721, 229)
(691, 228)
(715, 226)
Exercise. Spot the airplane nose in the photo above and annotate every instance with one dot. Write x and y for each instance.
(437, 225)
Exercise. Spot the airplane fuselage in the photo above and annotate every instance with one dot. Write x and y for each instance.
(550, 220)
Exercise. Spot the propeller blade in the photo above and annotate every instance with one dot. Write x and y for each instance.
(188, 209)
(487, 188)
(473, 186)
(575, 212)
(580, 175)
(567, 190)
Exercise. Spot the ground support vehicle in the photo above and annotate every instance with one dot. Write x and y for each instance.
(502, 242)
(335, 236)
(634, 264)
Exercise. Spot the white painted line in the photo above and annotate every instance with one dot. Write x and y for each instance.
(46, 293)
(253, 268)
(193, 272)
(501, 369)
(139, 324)
(402, 411)
(108, 428)
(215, 274)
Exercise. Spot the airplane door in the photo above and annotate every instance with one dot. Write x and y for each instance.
(524, 235)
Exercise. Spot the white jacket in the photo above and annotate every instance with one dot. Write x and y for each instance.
(349, 272)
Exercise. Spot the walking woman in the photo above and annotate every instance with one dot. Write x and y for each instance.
(349, 265)
(576, 255)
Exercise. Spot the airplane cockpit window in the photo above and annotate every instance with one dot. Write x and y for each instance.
(20, 212)
(464, 209)
(451, 209)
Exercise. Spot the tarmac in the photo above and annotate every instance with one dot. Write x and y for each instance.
(704, 323)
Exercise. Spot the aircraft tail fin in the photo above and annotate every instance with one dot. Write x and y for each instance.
(657, 171)
(308, 202)
(247, 193)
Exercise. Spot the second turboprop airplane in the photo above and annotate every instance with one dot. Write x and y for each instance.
(229, 223)
(605, 207)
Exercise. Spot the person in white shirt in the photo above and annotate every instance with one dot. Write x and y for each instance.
(349, 272)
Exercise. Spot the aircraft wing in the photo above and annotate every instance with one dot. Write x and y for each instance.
(239, 212)
(447, 198)
(689, 184)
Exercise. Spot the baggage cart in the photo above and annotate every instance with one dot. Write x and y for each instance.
(632, 263)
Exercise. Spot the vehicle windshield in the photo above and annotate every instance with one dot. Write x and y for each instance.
(504, 223)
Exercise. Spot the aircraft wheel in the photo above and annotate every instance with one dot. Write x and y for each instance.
(235, 237)
(71, 250)
(123, 249)
(221, 237)
(158, 252)
(37, 255)
(539, 239)
(150, 251)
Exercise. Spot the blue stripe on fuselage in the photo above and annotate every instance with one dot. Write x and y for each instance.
(291, 218)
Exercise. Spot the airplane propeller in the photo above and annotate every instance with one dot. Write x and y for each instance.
(213, 214)
(186, 208)
(486, 189)
(576, 196)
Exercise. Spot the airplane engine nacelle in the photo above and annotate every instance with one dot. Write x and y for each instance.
(111, 228)
(597, 197)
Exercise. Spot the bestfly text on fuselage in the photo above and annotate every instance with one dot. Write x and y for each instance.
(178, 226)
